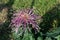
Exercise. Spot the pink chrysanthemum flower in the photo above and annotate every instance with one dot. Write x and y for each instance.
(24, 18)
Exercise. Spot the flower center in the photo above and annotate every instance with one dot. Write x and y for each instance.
(25, 16)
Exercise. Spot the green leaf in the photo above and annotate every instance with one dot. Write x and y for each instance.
(39, 38)
(27, 36)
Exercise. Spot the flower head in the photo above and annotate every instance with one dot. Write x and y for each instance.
(24, 18)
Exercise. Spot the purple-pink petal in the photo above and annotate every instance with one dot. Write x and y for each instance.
(24, 17)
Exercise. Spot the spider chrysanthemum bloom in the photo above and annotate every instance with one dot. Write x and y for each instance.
(24, 18)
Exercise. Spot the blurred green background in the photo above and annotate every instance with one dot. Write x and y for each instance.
(48, 9)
